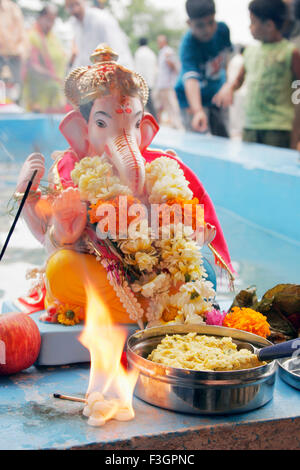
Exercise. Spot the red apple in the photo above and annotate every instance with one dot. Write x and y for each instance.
(20, 342)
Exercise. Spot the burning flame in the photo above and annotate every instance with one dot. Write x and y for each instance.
(111, 386)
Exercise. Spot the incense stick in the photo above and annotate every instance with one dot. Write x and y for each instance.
(18, 214)
(67, 397)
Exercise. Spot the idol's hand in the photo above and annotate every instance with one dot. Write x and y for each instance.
(209, 233)
(35, 161)
(69, 217)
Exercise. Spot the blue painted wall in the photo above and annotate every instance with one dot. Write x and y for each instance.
(259, 183)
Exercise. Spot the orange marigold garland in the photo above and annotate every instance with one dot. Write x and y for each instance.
(248, 320)
(115, 202)
(188, 210)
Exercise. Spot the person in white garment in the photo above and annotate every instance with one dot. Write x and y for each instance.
(165, 96)
(92, 26)
(236, 110)
(145, 63)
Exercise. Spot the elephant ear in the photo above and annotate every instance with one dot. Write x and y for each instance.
(75, 130)
(149, 128)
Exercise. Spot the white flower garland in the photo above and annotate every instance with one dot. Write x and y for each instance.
(96, 180)
(165, 265)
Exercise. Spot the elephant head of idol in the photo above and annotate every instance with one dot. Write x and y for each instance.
(108, 117)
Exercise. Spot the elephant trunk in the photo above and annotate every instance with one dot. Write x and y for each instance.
(128, 160)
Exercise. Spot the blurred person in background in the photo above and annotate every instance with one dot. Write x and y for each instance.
(93, 26)
(291, 29)
(204, 94)
(145, 63)
(12, 46)
(237, 109)
(297, 10)
(165, 96)
(269, 69)
(46, 66)
(291, 32)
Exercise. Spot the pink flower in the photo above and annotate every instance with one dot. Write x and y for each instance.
(215, 317)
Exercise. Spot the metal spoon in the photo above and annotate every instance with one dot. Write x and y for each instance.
(277, 351)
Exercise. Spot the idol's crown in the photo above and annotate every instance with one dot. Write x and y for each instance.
(85, 84)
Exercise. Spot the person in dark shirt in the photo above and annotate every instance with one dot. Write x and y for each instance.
(202, 90)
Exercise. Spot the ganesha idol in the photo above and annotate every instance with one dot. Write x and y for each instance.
(143, 278)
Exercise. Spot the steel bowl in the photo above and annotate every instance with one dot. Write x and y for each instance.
(289, 371)
(200, 392)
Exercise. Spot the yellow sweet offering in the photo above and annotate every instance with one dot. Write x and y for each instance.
(200, 352)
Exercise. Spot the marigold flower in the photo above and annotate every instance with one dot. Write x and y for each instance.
(184, 211)
(115, 203)
(69, 314)
(248, 320)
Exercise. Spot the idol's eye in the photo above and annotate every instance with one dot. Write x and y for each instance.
(101, 123)
(138, 124)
